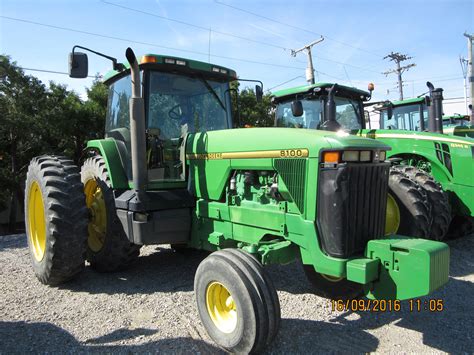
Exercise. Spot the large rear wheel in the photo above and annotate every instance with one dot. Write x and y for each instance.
(55, 219)
(438, 199)
(408, 207)
(108, 246)
(237, 302)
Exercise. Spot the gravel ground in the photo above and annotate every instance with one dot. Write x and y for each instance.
(150, 308)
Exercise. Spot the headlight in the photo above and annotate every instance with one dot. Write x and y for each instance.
(383, 155)
(365, 155)
(350, 155)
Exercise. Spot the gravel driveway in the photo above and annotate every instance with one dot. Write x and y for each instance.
(150, 308)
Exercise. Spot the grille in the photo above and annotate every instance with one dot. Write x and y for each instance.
(352, 201)
(293, 173)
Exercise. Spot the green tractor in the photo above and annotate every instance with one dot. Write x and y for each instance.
(172, 170)
(431, 175)
(405, 115)
(458, 125)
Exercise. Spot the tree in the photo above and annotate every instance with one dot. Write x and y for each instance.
(252, 113)
(22, 100)
(36, 120)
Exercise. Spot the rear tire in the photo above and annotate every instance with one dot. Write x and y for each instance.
(237, 302)
(55, 219)
(108, 248)
(438, 199)
(331, 287)
(412, 203)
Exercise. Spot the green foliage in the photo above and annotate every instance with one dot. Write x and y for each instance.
(252, 113)
(36, 120)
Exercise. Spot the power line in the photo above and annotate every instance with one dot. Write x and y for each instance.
(146, 43)
(285, 82)
(195, 26)
(223, 33)
(296, 27)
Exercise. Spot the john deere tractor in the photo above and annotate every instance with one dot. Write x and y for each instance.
(431, 175)
(429, 146)
(405, 115)
(172, 170)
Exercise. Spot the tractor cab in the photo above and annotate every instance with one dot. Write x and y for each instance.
(455, 120)
(321, 106)
(181, 96)
(409, 115)
(458, 125)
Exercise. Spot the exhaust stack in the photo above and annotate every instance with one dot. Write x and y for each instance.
(435, 111)
(137, 129)
(330, 123)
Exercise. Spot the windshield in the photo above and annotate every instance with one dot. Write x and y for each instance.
(180, 104)
(405, 118)
(347, 114)
(310, 119)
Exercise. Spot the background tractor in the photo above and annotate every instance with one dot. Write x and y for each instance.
(447, 159)
(171, 170)
(405, 115)
(431, 174)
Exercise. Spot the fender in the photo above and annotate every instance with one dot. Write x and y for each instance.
(438, 170)
(116, 166)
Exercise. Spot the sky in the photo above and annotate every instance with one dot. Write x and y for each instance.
(254, 38)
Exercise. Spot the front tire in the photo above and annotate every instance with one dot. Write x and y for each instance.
(108, 248)
(237, 302)
(55, 219)
(332, 287)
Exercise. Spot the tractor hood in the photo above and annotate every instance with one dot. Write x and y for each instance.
(269, 142)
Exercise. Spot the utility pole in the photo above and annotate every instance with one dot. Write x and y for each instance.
(310, 68)
(463, 62)
(470, 38)
(398, 58)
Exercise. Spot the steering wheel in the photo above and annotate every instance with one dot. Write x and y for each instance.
(175, 113)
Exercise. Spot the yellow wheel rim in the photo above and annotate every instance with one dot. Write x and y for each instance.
(392, 218)
(98, 222)
(331, 278)
(36, 221)
(221, 307)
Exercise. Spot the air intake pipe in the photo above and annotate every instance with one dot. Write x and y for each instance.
(137, 129)
(435, 112)
(330, 123)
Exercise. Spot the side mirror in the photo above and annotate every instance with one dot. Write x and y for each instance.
(389, 111)
(258, 93)
(297, 108)
(78, 65)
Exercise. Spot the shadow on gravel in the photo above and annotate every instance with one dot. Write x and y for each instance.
(462, 262)
(162, 271)
(299, 336)
(449, 330)
(15, 241)
(121, 334)
(23, 337)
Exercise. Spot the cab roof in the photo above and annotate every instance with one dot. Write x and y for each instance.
(306, 89)
(413, 100)
(171, 63)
